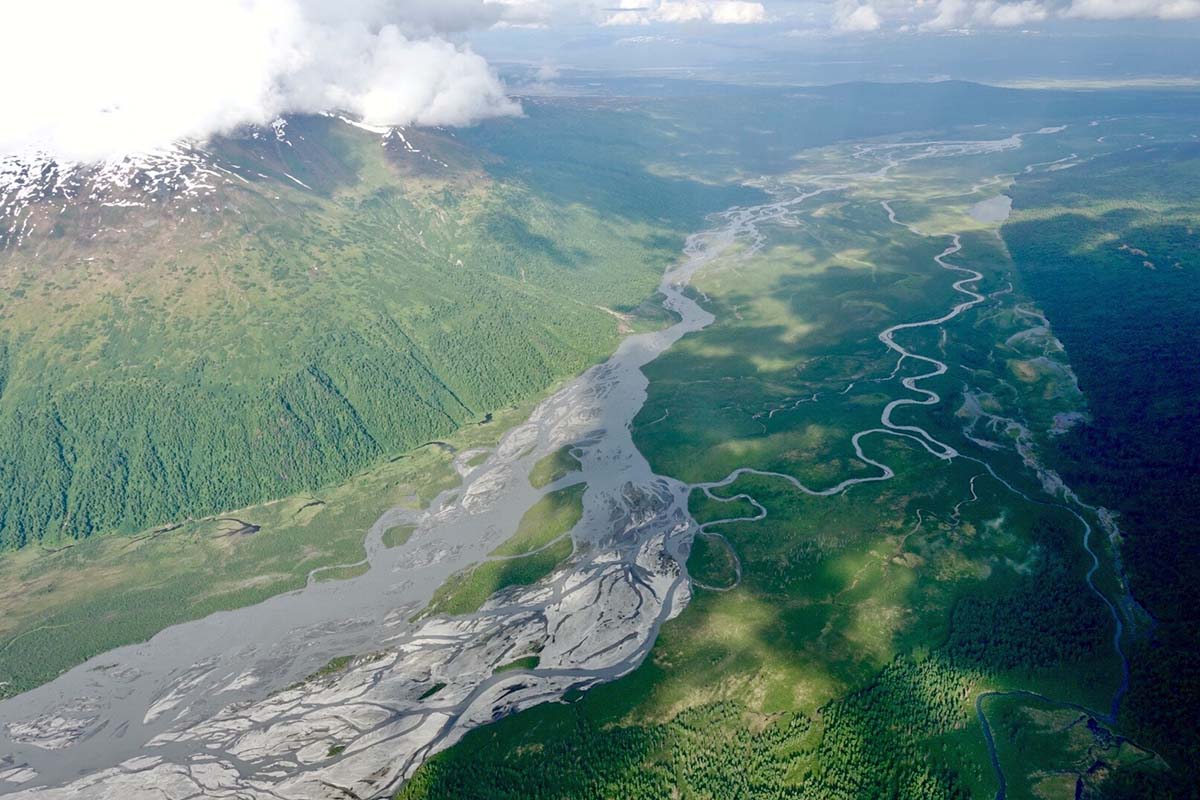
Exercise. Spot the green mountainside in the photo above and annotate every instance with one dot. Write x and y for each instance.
(332, 303)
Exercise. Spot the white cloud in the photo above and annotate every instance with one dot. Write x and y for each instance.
(1126, 9)
(681, 11)
(548, 72)
(95, 80)
(964, 14)
(737, 12)
(951, 15)
(87, 79)
(1009, 15)
(855, 17)
(942, 15)
(717, 12)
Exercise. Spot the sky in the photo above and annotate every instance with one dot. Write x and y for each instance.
(89, 81)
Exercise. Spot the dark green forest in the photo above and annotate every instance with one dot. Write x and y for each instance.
(1111, 251)
(873, 743)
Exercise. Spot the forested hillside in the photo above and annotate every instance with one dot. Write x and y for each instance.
(320, 304)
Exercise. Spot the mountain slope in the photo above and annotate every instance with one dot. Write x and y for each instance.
(203, 329)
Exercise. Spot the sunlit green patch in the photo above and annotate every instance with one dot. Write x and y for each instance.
(557, 465)
(336, 664)
(467, 591)
(397, 535)
(540, 544)
(341, 573)
(712, 563)
(550, 517)
(526, 662)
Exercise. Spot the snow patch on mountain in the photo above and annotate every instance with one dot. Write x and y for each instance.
(36, 189)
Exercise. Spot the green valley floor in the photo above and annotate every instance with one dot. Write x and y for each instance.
(960, 630)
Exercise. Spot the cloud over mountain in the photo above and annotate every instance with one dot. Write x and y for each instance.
(87, 81)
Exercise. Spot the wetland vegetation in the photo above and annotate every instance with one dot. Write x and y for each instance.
(875, 633)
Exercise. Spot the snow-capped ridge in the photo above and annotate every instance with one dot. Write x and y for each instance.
(37, 191)
(35, 186)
